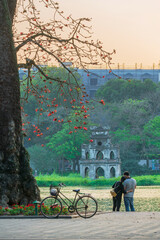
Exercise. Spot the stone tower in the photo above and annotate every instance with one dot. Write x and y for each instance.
(100, 157)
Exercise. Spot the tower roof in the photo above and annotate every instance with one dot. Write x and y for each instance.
(97, 132)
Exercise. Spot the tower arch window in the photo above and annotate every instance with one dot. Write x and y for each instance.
(99, 155)
(111, 155)
(99, 172)
(87, 155)
(112, 172)
(86, 172)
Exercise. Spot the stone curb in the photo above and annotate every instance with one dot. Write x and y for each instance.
(34, 216)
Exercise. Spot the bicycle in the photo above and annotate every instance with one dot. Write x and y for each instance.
(85, 205)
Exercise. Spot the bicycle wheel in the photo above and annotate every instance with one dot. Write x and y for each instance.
(86, 206)
(51, 207)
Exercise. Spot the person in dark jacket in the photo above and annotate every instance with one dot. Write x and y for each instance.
(119, 189)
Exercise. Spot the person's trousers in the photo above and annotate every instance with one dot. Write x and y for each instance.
(128, 202)
(117, 203)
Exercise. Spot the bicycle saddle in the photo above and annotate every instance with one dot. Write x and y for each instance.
(76, 190)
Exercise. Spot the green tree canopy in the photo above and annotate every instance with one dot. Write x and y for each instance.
(118, 90)
(66, 143)
(152, 132)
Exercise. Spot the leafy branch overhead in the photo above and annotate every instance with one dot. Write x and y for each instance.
(55, 40)
(59, 39)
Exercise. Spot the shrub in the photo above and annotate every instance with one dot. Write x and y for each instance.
(77, 180)
(2, 210)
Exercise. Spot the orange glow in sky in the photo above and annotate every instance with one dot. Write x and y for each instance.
(129, 26)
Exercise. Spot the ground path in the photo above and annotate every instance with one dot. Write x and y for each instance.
(118, 225)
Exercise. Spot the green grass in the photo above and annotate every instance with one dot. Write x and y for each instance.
(140, 204)
(75, 179)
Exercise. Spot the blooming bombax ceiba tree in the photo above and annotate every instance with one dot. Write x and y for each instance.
(41, 42)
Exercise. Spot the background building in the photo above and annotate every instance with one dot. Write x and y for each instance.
(98, 77)
(100, 157)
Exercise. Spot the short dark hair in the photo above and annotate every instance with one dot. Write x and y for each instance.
(126, 173)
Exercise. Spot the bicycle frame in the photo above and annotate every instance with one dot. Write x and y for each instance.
(60, 194)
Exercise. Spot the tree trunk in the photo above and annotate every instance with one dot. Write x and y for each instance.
(62, 169)
(17, 184)
(74, 165)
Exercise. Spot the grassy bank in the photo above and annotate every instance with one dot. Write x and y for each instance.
(146, 198)
(77, 180)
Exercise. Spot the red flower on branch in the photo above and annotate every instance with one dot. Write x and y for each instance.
(102, 102)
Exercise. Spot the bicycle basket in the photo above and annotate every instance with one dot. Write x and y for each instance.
(53, 191)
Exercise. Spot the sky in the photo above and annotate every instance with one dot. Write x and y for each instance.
(129, 26)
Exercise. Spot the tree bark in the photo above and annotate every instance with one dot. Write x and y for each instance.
(17, 184)
(74, 165)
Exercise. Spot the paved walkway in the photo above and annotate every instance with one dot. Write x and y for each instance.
(120, 225)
